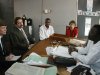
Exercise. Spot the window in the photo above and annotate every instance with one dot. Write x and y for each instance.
(87, 25)
(99, 21)
(89, 5)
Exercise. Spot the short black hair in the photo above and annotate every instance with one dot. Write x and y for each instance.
(72, 21)
(94, 33)
(2, 23)
(47, 19)
(16, 19)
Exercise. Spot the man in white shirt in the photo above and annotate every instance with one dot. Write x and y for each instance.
(46, 30)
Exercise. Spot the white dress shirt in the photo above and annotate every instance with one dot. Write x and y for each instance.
(45, 32)
(92, 56)
(1, 44)
(0, 41)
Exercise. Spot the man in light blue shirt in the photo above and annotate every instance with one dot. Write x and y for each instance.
(90, 55)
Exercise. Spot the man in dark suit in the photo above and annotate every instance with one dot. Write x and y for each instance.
(19, 38)
(5, 55)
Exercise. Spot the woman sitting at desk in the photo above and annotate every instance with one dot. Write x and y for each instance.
(72, 30)
(90, 55)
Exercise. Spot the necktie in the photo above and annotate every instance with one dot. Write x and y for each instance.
(25, 35)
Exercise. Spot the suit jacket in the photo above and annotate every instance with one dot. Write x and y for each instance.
(5, 50)
(18, 41)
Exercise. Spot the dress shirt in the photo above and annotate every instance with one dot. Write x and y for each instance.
(91, 57)
(46, 32)
(1, 45)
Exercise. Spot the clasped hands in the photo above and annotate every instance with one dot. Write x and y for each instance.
(71, 49)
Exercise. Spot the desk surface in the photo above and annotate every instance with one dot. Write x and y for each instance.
(39, 48)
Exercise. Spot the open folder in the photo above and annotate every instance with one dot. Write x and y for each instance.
(24, 69)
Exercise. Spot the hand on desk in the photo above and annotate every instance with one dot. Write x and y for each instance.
(51, 35)
(71, 49)
(8, 58)
(30, 46)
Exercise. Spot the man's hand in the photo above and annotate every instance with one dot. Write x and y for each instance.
(30, 46)
(8, 58)
(71, 49)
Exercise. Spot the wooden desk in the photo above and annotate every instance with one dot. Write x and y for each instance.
(60, 37)
(39, 48)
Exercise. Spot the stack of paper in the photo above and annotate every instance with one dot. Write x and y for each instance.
(59, 51)
(35, 59)
(24, 69)
(77, 42)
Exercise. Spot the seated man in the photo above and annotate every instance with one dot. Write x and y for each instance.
(5, 55)
(90, 55)
(46, 30)
(20, 39)
(72, 30)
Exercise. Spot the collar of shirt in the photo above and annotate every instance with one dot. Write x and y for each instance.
(20, 28)
(46, 27)
(0, 39)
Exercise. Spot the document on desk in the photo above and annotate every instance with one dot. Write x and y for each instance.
(35, 59)
(61, 51)
(24, 69)
(77, 42)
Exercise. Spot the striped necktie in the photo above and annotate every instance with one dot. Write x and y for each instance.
(25, 35)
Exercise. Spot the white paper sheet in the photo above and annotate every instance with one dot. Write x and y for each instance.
(35, 59)
(24, 69)
(59, 51)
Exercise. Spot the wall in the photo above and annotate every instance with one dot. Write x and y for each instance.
(81, 18)
(62, 11)
(7, 12)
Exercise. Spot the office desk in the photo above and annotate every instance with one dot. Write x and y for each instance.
(39, 48)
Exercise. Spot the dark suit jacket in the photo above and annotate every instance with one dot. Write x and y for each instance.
(4, 65)
(18, 41)
(6, 50)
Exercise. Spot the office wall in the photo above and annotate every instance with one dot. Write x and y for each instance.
(62, 11)
(81, 18)
(7, 12)
(32, 9)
